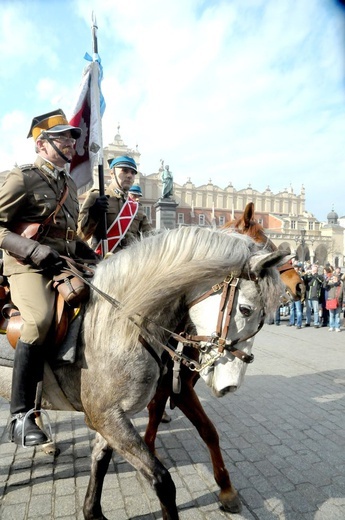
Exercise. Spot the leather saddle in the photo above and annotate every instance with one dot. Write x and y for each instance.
(11, 320)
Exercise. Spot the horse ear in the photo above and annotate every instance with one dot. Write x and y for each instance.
(248, 214)
(259, 261)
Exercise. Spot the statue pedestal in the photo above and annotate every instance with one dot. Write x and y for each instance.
(166, 213)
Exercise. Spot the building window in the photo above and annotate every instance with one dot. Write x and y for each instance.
(180, 218)
(293, 224)
(311, 226)
(201, 220)
(221, 221)
(147, 211)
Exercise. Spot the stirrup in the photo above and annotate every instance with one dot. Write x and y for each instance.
(30, 412)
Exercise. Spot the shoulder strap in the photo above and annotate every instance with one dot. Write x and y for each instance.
(24, 167)
(61, 202)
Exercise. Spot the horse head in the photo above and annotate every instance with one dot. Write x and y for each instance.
(246, 224)
(257, 289)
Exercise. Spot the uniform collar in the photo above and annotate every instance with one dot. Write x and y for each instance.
(113, 186)
(49, 168)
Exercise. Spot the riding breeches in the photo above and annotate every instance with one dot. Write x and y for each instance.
(34, 296)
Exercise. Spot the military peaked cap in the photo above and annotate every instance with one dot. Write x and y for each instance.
(123, 162)
(136, 190)
(54, 123)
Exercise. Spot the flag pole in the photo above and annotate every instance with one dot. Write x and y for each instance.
(95, 58)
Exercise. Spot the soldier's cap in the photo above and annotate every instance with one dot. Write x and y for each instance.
(53, 123)
(123, 162)
(136, 190)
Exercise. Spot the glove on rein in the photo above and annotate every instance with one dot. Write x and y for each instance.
(32, 252)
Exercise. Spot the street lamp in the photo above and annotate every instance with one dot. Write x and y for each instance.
(303, 232)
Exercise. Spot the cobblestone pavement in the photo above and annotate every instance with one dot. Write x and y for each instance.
(282, 435)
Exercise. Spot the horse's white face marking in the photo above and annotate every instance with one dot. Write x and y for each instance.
(228, 371)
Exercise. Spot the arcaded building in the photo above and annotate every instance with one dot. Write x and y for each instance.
(283, 215)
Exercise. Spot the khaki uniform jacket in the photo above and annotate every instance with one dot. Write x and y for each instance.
(89, 228)
(26, 197)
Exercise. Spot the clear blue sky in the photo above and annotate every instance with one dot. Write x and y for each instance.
(241, 91)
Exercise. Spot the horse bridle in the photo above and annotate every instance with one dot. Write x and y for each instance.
(203, 343)
(218, 338)
(206, 344)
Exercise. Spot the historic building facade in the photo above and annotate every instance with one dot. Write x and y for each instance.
(283, 215)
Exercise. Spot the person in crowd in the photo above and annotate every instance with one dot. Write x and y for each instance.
(313, 282)
(275, 318)
(295, 314)
(334, 290)
(342, 278)
(40, 193)
(338, 273)
(327, 273)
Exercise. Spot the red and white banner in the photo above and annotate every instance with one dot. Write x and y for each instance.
(120, 226)
(87, 116)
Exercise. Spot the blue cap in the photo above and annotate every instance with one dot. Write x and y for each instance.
(123, 162)
(136, 189)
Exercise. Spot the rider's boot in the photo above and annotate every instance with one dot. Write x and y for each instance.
(27, 372)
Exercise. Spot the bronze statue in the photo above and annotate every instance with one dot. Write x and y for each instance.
(167, 180)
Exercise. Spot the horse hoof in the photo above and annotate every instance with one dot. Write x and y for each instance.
(50, 448)
(231, 506)
(165, 418)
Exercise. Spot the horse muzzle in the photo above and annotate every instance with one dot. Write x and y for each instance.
(225, 391)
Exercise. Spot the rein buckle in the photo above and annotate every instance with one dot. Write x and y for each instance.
(234, 282)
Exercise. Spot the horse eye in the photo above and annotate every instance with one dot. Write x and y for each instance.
(246, 310)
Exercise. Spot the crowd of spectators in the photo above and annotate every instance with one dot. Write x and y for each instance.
(322, 284)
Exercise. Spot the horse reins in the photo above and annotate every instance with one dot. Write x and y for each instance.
(217, 339)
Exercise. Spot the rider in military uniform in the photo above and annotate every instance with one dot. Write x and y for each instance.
(44, 193)
(123, 174)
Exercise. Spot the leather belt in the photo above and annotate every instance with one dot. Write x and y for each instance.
(67, 234)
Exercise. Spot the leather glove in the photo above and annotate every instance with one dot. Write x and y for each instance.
(32, 252)
(45, 257)
(100, 206)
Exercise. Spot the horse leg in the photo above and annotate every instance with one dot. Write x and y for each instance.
(191, 407)
(156, 409)
(120, 435)
(100, 458)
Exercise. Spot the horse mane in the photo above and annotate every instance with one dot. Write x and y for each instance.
(164, 266)
(151, 277)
